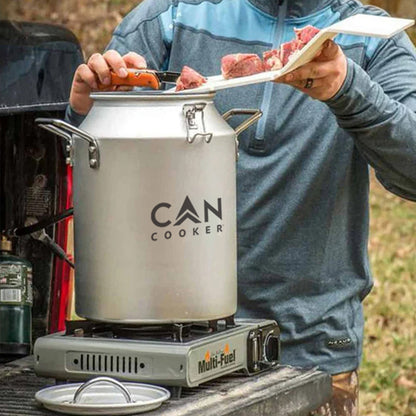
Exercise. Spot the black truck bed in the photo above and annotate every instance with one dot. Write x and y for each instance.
(283, 391)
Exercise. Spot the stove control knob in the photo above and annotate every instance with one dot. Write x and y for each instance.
(272, 348)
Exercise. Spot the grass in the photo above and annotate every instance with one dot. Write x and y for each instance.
(388, 371)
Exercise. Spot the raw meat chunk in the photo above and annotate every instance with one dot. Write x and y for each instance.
(277, 58)
(287, 50)
(306, 34)
(240, 65)
(189, 79)
(272, 60)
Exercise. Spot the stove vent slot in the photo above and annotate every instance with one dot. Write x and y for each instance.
(108, 364)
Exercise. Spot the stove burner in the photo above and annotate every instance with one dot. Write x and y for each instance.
(163, 332)
(174, 332)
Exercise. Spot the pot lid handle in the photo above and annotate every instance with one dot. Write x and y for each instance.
(84, 387)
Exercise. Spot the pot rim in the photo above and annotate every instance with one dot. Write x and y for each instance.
(150, 96)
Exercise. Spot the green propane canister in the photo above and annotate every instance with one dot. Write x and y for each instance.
(16, 299)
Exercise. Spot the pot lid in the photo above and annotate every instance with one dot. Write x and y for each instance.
(102, 396)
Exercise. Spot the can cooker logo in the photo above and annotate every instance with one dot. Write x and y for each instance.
(161, 217)
(220, 359)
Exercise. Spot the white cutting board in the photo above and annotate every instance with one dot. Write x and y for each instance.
(360, 25)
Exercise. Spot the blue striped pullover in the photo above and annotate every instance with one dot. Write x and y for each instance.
(303, 172)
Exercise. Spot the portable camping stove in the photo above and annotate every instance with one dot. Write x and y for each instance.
(183, 355)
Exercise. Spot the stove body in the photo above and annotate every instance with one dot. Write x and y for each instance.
(176, 355)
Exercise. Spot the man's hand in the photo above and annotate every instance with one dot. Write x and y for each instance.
(323, 77)
(98, 69)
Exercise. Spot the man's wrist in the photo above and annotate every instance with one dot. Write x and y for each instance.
(345, 87)
(73, 117)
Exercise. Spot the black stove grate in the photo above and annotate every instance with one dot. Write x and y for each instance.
(178, 332)
(174, 332)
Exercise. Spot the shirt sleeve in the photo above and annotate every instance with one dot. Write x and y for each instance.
(377, 106)
(142, 31)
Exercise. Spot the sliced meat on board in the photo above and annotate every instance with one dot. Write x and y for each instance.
(289, 49)
(272, 60)
(240, 65)
(189, 79)
(244, 64)
(306, 34)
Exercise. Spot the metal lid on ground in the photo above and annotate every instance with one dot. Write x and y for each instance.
(102, 396)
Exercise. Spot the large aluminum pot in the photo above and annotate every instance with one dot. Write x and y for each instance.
(154, 208)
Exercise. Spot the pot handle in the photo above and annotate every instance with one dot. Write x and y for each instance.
(65, 130)
(84, 387)
(255, 116)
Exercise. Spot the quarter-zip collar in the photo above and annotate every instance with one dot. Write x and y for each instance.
(294, 9)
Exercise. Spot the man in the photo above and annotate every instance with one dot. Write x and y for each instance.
(303, 171)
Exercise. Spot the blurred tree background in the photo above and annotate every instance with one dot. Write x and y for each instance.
(388, 372)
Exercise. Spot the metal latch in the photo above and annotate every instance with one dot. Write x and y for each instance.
(190, 112)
